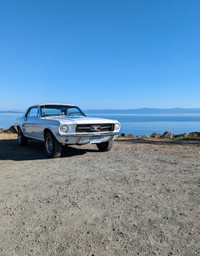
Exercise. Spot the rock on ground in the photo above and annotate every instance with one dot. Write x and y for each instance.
(168, 135)
(156, 135)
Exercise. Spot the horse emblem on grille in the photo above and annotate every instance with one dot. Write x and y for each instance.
(96, 128)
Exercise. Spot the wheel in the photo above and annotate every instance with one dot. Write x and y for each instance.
(105, 146)
(53, 148)
(22, 140)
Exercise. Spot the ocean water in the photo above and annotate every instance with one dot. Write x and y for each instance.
(146, 124)
(7, 119)
(136, 124)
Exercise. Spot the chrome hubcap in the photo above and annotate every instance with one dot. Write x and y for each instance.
(49, 144)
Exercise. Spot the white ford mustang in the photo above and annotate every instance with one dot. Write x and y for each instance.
(59, 124)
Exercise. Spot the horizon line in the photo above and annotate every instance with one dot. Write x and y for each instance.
(118, 109)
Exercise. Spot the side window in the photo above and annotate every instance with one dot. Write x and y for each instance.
(33, 113)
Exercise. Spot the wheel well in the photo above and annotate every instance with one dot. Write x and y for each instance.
(47, 130)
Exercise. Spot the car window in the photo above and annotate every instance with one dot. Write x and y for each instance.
(50, 111)
(33, 113)
(58, 110)
(73, 112)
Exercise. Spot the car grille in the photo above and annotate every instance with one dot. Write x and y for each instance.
(94, 127)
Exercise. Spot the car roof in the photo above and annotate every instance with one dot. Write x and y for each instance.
(56, 104)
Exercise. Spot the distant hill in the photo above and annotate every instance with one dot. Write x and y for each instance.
(10, 111)
(145, 111)
(131, 111)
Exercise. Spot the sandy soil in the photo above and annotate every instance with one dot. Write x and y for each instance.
(141, 198)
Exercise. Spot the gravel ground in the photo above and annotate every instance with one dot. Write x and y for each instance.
(141, 198)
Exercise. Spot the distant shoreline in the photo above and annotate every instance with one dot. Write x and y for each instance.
(10, 112)
(131, 111)
(145, 111)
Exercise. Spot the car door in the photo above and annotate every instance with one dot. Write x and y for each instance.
(31, 122)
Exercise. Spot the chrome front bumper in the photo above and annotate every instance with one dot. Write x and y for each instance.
(84, 138)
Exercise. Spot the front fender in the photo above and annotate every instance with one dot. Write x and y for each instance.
(54, 129)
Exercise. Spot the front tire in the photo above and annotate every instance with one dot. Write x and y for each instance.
(53, 148)
(105, 146)
(22, 140)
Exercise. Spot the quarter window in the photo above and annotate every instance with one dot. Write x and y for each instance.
(33, 113)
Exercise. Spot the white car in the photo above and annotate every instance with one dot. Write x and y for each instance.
(59, 124)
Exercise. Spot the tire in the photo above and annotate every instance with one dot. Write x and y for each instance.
(53, 148)
(22, 140)
(105, 146)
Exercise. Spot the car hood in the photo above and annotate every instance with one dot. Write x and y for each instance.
(82, 120)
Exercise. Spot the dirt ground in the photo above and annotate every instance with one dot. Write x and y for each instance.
(141, 198)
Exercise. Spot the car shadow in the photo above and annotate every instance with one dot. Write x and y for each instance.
(10, 150)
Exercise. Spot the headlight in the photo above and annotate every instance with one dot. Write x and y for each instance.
(63, 128)
(117, 127)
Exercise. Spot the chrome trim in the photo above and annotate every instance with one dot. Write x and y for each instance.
(94, 134)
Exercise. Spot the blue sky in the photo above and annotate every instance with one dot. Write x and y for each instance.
(100, 54)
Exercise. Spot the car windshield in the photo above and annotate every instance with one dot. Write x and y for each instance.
(60, 110)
